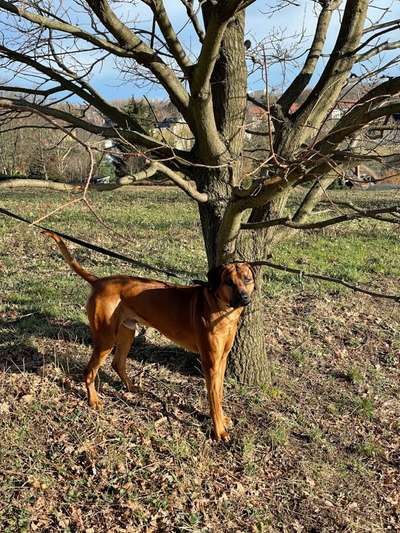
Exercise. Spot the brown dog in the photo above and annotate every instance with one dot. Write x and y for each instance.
(202, 319)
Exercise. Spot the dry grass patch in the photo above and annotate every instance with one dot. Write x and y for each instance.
(316, 450)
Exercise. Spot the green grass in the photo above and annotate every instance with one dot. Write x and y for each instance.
(309, 450)
(362, 251)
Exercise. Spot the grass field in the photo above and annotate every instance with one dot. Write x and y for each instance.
(317, 450)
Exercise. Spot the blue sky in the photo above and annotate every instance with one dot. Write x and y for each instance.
(258, 25)
(289, 22)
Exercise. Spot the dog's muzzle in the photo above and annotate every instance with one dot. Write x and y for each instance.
(241, 300)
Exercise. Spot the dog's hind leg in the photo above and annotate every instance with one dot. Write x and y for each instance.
(102, 321)
(100, 352)
(125, 337)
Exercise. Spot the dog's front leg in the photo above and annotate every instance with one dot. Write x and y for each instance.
(227, 420)
(212, 369)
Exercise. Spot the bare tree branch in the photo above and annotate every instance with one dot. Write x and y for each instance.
(107, 132)
(29, 90)
(57, 24)
(312, 113)
(179, 180)
(367, 109)
(303, 77)
(257, 103)
(143, 54)
(164, 23)
(89, 96)
(390, 25)
(200, 82)
(359, 58)
(37, 184)
(146, 173)
(313, 196)
(202, 96)
(193, 17)
(287, 221)
(130, 45)
(322, 277)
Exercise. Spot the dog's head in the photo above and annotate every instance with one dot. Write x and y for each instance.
(233, 283)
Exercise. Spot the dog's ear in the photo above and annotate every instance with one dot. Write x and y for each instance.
(214, 277)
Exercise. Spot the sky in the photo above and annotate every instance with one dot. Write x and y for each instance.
(259, 24)
(289, 22)
(285, 24)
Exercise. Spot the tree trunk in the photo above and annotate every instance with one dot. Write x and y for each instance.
(249, 360)
(216, 184)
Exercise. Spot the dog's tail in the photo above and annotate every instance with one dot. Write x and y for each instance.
(73, 263)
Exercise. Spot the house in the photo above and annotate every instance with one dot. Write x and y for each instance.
(341, 108)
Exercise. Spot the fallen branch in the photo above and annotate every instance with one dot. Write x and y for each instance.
(21, 183)
(38, 184)
(322, 277)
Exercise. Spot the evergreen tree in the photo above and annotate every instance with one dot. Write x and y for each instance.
(140, 112)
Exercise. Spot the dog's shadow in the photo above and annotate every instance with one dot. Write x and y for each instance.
(176, 359)
(18, 354)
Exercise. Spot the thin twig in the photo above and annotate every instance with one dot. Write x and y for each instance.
(59, 208)
(103, 223)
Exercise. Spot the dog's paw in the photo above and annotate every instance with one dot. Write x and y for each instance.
(96, 403)
(224, 436)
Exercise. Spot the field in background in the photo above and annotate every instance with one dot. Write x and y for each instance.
(315, 451)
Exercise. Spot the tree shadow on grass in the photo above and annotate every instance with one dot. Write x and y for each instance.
(21, 358)
(17, 351)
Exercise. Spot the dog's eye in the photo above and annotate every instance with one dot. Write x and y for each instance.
(247, 280)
